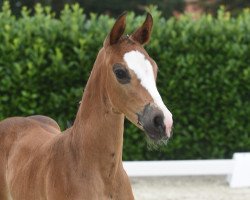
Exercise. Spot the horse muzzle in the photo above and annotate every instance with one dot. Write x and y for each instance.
(155, 123)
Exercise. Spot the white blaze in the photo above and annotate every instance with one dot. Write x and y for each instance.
(143, 69)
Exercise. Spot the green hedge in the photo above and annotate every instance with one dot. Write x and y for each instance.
(204, 75)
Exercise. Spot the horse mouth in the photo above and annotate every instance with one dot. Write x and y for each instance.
(155, 135)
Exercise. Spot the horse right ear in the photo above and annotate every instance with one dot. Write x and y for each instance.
(142, 34)
(117, 30)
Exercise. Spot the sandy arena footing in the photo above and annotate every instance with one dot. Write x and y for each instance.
(187, 188)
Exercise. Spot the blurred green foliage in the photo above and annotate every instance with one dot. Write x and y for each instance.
(204, 75)
(110, 7)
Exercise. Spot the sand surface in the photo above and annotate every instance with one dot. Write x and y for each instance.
(187, 188)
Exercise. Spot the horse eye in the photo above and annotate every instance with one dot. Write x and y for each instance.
(121, 73)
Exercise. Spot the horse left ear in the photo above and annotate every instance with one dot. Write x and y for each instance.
(117, 30)
(142, 34)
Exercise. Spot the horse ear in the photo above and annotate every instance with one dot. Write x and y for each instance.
(142, 34)
(117, 30)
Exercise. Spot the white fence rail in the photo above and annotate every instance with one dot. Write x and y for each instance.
(237, 169)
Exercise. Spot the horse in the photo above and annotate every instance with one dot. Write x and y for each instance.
(38, 162)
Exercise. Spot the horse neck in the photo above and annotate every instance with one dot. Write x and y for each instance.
(97, 133)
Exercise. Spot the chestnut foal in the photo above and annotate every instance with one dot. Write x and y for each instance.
(85, 162)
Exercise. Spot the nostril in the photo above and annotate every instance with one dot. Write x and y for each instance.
(158, 121)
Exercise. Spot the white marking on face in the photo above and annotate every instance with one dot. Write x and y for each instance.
(143, 69)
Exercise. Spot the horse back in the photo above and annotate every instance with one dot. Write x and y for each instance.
(32, 128)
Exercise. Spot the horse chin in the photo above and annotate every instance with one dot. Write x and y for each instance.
(155, 142)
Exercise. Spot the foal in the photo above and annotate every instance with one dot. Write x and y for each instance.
(85, 162)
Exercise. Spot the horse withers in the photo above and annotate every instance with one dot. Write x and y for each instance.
(37, 162)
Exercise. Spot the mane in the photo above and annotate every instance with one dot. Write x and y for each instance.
(126, 38)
